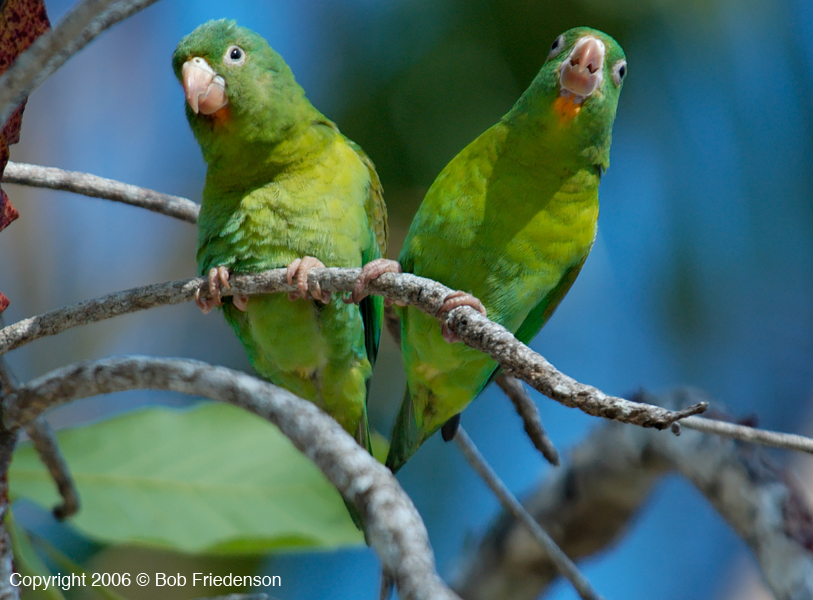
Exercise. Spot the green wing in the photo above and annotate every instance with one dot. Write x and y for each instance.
(540, 314)
(376, 209)
(407, 436)
(543, 311)
(372, 307)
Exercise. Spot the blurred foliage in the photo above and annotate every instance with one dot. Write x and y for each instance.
(213, 479)
(27, 562)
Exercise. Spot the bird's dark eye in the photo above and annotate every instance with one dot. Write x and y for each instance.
(235, 56)
(556, 46)
(619, 71)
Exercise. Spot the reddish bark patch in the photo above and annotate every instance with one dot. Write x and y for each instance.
(21, 22)
(7, 211)
(11, 131)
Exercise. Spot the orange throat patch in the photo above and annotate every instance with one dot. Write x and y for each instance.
(221, 116)
(566, 108)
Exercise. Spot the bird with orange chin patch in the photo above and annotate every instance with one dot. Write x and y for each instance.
(509, 222)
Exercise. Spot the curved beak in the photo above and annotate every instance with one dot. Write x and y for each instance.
(582, 71)
(205, 90)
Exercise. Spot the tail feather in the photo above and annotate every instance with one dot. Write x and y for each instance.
(450, 427)
(358, 519)
(407, 435)
(362, 436)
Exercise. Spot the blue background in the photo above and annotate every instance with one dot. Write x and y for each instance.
(702, 272)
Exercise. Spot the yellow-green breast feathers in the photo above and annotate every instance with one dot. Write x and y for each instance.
(511, 220)
(283, 183)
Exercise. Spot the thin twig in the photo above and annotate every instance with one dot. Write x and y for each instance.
(99, 187)
(91, 311)
(789, 441)
(394, 527)
(44, 441)
(563, 564)
(475, 330)
(8, 383)
(83, 23)
(526, 408)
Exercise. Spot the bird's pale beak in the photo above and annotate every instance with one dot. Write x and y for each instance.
(583, 71)
(205, 90)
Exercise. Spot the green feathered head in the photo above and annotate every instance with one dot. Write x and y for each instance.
(576, 91)
(239, 91)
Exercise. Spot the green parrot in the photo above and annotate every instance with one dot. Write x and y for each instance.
(510, 220)
(284, 188)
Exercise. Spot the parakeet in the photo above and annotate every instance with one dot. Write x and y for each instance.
(509, 221)
(284, 188)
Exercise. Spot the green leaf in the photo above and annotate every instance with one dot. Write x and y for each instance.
(27, 561)
(66, 565)
(212, 479)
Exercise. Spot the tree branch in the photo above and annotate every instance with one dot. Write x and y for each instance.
(561, 388)
(394, 528)
(612, 473)
(475, 330)
(8, 439)
(789, 441)
(44, 440)
(184, 209)
(91, 311)
(7, 591)
(526, 408)
(560, 561)
(83, 23)
(176, 292)
(99, 187)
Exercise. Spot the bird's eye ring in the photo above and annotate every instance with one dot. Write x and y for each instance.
(556, 46)
(619, 71)
(235, 56)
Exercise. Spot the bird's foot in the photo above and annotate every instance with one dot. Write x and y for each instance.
(218, 276)
(240, 302)
(298, 272)
(451, 302)
(372, 270)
